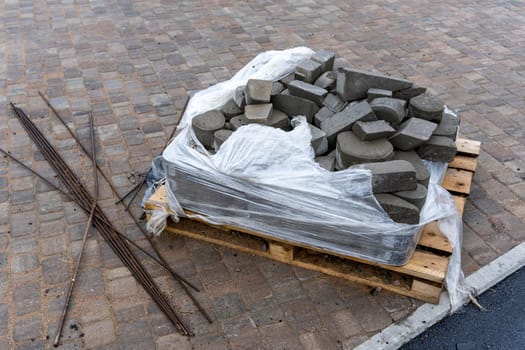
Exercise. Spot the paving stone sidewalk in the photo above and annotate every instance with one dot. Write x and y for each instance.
(132, 63)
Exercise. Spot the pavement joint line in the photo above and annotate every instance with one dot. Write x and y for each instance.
(397, 334)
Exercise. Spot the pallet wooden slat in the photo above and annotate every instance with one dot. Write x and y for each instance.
(422, 277)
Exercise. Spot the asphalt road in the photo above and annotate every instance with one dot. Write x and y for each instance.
(501, 327)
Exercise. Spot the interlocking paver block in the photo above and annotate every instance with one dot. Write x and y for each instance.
(353, 84)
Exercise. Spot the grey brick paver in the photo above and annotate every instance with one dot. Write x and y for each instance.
(133, 64)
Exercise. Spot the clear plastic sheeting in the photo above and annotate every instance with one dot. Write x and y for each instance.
(265, 179)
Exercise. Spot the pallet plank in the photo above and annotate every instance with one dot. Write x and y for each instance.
(470, 147)
(458, 181)
(464, 163)
(432, 237)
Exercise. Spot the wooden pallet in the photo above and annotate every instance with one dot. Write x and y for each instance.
(421, 278)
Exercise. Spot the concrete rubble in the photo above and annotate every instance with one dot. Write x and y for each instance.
(357, 119)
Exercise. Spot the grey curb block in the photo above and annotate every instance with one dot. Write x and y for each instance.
(397, 334)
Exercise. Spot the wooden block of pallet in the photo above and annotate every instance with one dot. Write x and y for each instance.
(421, 278)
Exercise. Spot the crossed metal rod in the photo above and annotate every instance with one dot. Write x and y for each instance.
(138, 188)
(118, 245)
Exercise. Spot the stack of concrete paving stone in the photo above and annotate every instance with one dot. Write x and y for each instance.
(357, 120)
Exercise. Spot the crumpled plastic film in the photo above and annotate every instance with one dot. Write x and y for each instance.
(265, 179)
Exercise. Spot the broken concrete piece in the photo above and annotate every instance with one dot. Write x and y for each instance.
(448, 126)
(340, 62)
(367, 131)
(323, 114)
(408, 93)
(205, 124)
(373, 93)
(279, 120)
(238, 97)
(259, 113)
(277, 87)
(238, 121)
(287, 78)
(309, 70)
(390, 109)
(327, 162)
(230, 109)
(333, 102)
(344, 120)
(391, 176)
(350, 150)
(219, 137)
(422, 174)
(353, 84)
(258, 91)
(416, 197)
(308, 91)
(426, 106)
(398, 209)
(412, 133)
(438, 149)
(326, 80)
(325, 58)
(319, 141)
(293, 105)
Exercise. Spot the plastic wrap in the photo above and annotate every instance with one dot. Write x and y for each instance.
(265, 179)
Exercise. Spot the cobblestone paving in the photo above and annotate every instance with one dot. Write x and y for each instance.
(132, 63)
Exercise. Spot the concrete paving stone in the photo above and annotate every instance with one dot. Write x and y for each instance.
(422, 174)
(4, 316)
(27, 329)
(230, 109)
(279, 120)
(413, 133)
(287, 78)
(390, 109)
(368, 131)
(351, 150)
(309, 70)
(236, 122)
(258, 113)
(301, 315)
(327, 162)
(323, 114)
(239, 96)
(24, 263)
(327, 80)
(99, 333)
(353, 84)
(280, 336)
(333, 102)
(319, 141)
(438, 149)
(277, 88)
(426, 106)
(205, 125)
(373, 93)
(326, 58)
(229, 305)
(294, 106)
(136, 335)
(391, 176)
(408, 93)
(417, 197)
(173, 342)
(344, 120)
(307, 91)
(258, 91)
(219, 137)
(26, 298)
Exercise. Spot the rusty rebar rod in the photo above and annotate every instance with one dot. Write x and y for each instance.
(84, 237)
(116, 243)
(120, 199)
